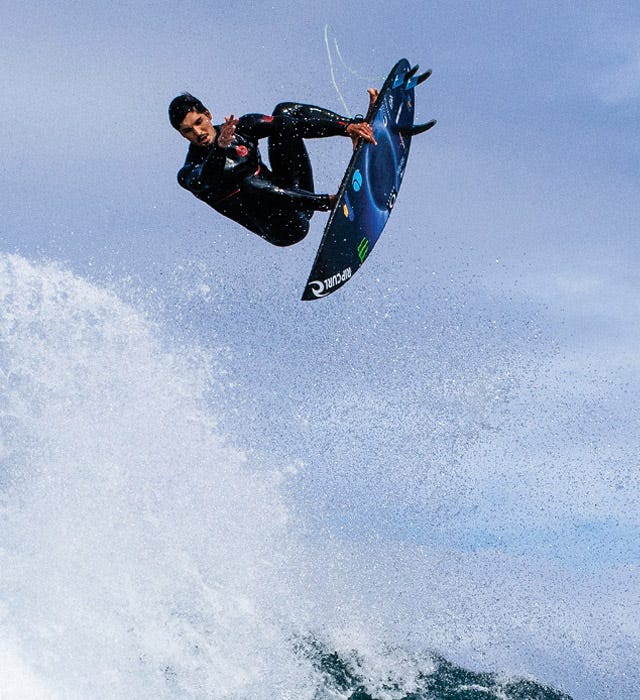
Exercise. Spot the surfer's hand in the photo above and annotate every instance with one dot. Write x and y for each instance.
(360, 130)
(227, 131)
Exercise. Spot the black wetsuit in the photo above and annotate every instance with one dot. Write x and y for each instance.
(278, 203)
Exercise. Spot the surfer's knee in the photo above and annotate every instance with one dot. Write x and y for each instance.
(289, 233)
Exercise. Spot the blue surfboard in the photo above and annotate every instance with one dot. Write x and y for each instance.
(370, 185)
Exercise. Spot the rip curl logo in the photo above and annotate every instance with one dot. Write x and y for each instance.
(320, 288)
(242, 151)
(356, 181)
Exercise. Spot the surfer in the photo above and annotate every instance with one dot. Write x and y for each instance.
(224, 167)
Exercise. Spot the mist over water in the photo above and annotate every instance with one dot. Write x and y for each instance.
(144, 554)
(140, 557)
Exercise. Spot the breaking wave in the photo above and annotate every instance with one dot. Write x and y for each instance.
(142, 556)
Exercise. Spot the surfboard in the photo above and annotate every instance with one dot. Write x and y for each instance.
(370, 185)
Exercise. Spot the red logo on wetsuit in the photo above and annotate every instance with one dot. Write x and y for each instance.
(242, 151)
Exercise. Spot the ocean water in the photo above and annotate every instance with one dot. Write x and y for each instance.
(145, 554)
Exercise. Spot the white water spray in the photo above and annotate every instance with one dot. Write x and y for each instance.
(139, 556)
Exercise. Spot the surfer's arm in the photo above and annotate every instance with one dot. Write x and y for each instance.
(305, 121)
(227, 131)
(361, 130)
(205, 176)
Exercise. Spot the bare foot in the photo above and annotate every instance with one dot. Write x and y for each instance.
(373, 96)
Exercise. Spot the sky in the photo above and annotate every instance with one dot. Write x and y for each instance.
(485, 358)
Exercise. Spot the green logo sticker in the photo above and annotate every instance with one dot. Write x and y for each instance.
(363, 249)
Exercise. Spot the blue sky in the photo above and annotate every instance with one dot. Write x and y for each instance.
(476, 386)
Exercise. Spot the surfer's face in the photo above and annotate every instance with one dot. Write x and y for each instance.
(197, 128)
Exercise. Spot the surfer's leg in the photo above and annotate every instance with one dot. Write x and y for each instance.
(281, 215)
(286, 228)
(288, 155)
(268, 195)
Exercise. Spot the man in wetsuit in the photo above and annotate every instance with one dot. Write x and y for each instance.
(224, 167)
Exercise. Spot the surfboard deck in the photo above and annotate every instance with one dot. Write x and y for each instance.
(370, 185)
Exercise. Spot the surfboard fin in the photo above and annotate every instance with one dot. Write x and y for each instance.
(418, 128)
(422, 77)
(413, 80)
(406, 78)
(412, 71)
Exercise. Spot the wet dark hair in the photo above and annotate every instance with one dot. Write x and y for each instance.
(181, 106)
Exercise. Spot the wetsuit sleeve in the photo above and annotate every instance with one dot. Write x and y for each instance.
(202, 177)
(306, 120)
